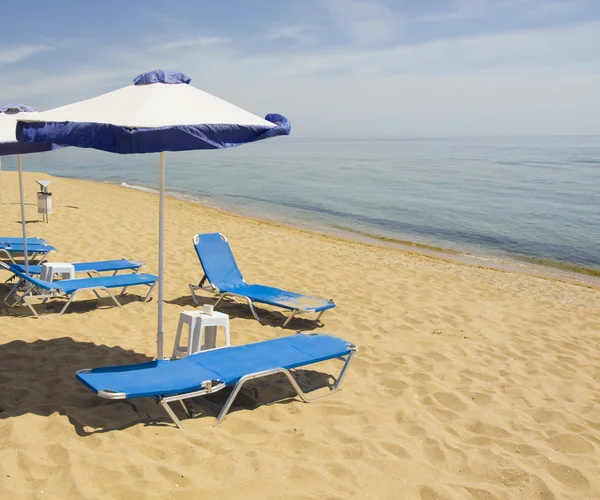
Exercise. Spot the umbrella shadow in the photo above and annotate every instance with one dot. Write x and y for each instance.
(268, 317)
(39, 378)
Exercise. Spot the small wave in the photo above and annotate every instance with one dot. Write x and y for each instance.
(202, 200)
(139, 188)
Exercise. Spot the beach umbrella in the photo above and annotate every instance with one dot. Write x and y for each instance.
(160, 112)
(10, 146)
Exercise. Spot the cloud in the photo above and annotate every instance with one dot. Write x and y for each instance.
(461, 9)
(364, 22)
(520, 9)
(203, 41)
(532, 81)
(554, 8)
(299, 34)
(10, 55)
(555, 47)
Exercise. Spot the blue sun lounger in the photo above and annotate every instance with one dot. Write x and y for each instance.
(35, 251)
(225, 278)
(67, 289)
(30, 241)
(210, 371)
(91, 268)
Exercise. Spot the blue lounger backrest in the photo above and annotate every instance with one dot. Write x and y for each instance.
(218, 261)
(45, 285)
(30, 241)
(33, 248)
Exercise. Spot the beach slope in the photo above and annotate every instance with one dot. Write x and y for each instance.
(470, 383)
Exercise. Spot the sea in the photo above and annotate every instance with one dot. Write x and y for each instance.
(499, 199)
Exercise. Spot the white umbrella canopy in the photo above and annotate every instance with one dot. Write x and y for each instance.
(10, 146)
(160, 112)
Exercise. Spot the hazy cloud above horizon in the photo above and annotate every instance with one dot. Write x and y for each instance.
(334, 67)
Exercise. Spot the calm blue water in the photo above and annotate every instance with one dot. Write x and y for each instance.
(529, 196)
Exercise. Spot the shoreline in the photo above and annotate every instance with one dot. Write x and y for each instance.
(472, 382)
(539, 267)
(535, 266)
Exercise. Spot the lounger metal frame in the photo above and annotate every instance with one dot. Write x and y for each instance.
(209, 388)
(244, 298)
(92, 273)
(220, 296)
(28, 294)
(43, 256)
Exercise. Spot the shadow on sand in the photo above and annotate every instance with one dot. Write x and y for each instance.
(79, 306)
(39, 378)
(267, 317)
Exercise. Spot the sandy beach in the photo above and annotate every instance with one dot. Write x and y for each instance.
(470, 383)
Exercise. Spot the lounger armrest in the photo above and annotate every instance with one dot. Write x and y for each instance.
(108, 394)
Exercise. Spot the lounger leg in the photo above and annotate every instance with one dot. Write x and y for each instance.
(194, 298)
(221, 297)
(231, 397)
(185, 408)
(289, 318)
(336, 386)
(149, 292)
(94, 274)
(122, 292)
(43, 258)
(252, 309)
(319, 316)
(68, 303)
(342, 374)
(8, 255)
(31, 307)
(292, 380)
(19, 298)
(171, 413)
(193, 288)
(14, 292)
(111, 296)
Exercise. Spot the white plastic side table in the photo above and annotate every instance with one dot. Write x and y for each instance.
(50, 269)
(202, 332)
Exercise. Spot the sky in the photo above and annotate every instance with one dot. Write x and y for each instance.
(339, 68)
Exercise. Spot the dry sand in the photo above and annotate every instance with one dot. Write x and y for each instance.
(470, 383)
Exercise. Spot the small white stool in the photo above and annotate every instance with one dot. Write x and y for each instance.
(49, 269)
(202, 332)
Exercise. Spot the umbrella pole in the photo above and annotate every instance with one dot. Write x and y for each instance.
(161, 256)
(23, 222)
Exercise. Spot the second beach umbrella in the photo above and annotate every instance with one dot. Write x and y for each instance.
(160, 112)
(10, 146)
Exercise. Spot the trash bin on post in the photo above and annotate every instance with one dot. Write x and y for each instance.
(44, 198)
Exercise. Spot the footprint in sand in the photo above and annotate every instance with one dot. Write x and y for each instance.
(571, 443)
(396, 386)
(450, 401)
(479, 398)
(567, 475)
(428, 493)
(433, 451)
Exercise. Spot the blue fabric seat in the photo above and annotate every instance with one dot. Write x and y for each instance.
(30, 241)
(36, 288)
(222, 272)
(100, 266)
(11, 250)
(210, 371)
